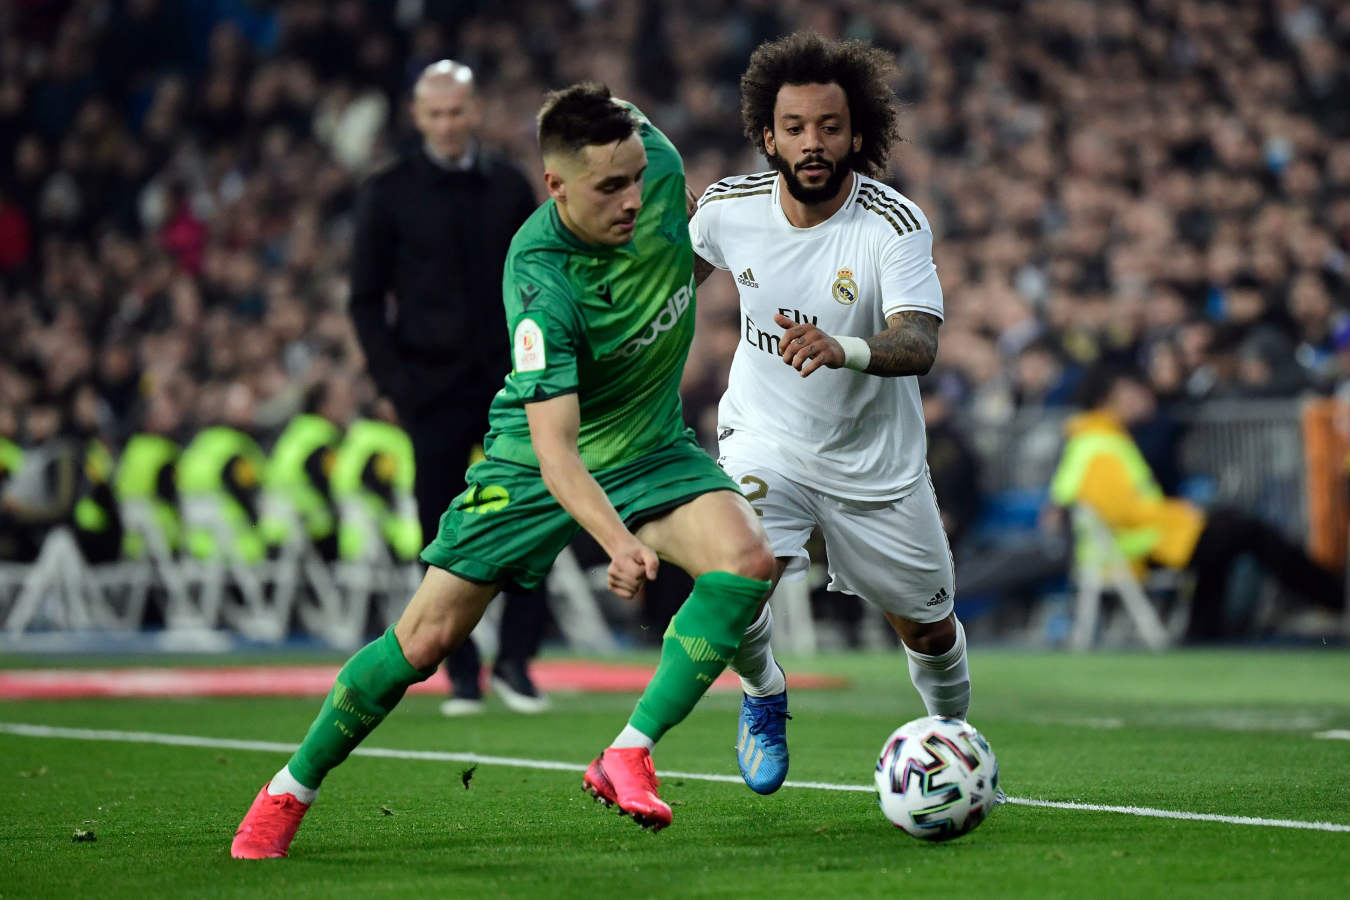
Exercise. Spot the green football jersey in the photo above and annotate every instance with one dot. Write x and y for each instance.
(611, 324)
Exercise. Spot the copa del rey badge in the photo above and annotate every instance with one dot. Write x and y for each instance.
(845, 288)
(528, 346)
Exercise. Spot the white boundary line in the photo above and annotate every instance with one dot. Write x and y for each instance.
(20, 729)
(1335, 734)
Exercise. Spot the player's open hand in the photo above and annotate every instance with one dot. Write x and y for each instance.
(806, 348)
(631, 568)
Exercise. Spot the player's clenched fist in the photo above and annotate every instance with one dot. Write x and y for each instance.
(806, 348)
(631, 567)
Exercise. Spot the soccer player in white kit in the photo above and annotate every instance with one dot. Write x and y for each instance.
(822, 424)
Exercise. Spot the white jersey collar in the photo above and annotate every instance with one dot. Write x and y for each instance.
(838, 214)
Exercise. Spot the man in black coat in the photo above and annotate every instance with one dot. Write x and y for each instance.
(432, 231)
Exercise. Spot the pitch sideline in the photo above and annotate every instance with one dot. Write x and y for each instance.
(21, 729)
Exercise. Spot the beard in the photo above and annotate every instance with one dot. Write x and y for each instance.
(811, 195)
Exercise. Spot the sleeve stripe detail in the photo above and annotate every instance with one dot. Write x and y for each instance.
(900, 209)
(727, 184)
(744, 179)
(706, 200)
(540, 395)
(887, 216)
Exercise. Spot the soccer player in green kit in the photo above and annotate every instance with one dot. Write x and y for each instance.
(587, 433)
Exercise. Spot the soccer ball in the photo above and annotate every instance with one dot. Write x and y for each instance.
(937, 778)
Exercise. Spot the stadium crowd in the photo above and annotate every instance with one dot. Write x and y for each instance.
(1163, 182)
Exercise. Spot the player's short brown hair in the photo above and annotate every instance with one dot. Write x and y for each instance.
(807, 58)
(582, 115)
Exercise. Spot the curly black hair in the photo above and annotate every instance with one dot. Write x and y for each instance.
(807, 58)
(581, 115)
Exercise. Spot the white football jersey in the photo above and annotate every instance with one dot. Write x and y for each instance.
(839, 431)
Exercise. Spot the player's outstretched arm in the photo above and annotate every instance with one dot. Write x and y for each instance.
(554, 425)
(908, 346)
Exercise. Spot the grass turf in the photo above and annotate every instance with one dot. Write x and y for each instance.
(1221, 732)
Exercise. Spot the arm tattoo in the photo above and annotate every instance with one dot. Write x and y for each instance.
(908, 346)
(702, 269)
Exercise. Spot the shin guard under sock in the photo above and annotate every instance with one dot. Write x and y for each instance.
(754, 662)
(943, 679)
(366, 690)
(702, 638)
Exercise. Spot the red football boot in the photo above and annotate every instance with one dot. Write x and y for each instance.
(626, 778)
(268, 827)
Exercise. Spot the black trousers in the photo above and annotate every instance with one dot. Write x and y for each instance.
(1227, 535)
(442, 438)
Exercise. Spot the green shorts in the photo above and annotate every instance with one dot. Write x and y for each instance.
(506, 527)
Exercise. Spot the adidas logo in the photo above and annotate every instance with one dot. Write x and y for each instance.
(747, 278)
(937, 598)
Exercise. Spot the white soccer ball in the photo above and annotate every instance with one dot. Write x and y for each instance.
(937, 778)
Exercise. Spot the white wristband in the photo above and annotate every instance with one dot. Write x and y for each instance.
(856, 352)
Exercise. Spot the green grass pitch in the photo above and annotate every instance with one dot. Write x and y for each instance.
(1228, 733)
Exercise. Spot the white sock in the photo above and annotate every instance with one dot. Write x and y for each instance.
(943, 681)
(631, 737)
(284, 783)
(760, 673)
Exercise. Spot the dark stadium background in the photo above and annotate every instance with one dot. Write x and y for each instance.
(1162, 182)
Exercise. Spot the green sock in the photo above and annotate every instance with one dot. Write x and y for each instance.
(700, 642)
(366, 690)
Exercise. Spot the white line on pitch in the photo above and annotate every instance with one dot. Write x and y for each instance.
(1335, 734)
(187, 740)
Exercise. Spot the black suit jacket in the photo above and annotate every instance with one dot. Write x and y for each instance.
(426, 274)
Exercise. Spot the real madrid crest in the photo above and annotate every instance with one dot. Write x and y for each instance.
(845, 288)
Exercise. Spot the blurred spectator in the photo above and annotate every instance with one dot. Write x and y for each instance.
(1041, 377)
(183, 235)
(1103, 470)
(63, 478)
(431, 237)
(1165, 184)
(952, 464)
(15, 238)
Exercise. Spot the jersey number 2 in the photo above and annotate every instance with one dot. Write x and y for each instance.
(761, 489)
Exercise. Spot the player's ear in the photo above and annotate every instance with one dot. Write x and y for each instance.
(769, 144)
(555, 185)
(857, 142)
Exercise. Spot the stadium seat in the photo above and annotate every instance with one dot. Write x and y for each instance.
(373, 582)
(159, 568)
(61, 590)
(1099, 567)
(229, 589)
(300, 579)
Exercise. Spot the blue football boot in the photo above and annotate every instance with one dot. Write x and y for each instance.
(761, 742)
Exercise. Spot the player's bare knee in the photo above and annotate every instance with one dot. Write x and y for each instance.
(754, 561)
(427, 638)
(928, 638)
(425, 645)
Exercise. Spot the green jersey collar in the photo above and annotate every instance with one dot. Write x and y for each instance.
(571, 240)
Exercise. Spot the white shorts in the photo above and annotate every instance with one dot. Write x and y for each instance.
(891, 553)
